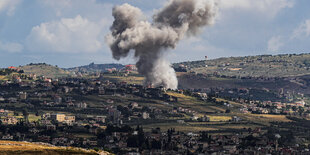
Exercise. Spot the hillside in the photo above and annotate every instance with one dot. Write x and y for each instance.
(46, 70)
(96, 67)
(12, 147)
(283, 65)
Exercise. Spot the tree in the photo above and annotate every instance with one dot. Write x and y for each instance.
(204, 137)
(26, 115)
(156, 144)
(37, 113)
(132, 141)
(301, 110)
(141, 138)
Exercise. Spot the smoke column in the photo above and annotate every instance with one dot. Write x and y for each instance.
(178, 19)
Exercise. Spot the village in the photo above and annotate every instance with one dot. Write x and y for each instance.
(112, 116)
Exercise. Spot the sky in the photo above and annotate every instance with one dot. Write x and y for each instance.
(71, 33)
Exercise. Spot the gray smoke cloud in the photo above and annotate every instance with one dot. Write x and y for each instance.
(178, 19)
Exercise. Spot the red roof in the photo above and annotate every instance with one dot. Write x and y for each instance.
(11, 67)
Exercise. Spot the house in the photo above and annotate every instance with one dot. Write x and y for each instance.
(45, 122)
(194, 118)
(12, 100)
(9, 120)
(63, 118)
(69, 120)
(236, 119)
(23, 95)
(51, 127)
(145, 115)
(4, 113)
(100, 119)
(133, 105)
(101, 91)
(57, 99)
(2, 99)
(7, 137)
(181, 121)
(12, 68)
(66, 89)
(230, 148)
(114, 115)
(58, 117)
(131, 67)
(47, 80)
(82, 105)
(34, 130)
(204, 119)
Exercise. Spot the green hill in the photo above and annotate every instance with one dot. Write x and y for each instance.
(42, 69)
(92, 67)
(283, 65)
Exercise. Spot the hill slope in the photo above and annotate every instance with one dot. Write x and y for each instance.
(46, 70)
(12, 147)
(283, 65)
(95, 67)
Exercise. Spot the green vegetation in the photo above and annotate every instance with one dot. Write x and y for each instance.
(130, 79)
(283, 65)
(46, 70)
(92, 67)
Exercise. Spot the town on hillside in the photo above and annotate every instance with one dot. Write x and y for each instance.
(96, 111)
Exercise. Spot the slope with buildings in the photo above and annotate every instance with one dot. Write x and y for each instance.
(130, 118)
(283, 65)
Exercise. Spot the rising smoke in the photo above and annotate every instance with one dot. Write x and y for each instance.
(178, 19)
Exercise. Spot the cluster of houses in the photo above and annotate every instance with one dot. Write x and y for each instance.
(268, 107)
(75, 122)
(287, 104)
(65, 130)
(7, 117)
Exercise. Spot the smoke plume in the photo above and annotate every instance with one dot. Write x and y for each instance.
(178, 19)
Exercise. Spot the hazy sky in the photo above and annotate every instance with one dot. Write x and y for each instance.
(71, 32)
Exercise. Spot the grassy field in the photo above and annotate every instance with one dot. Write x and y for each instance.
(45, 70)
(131, 79)
(263, 119)
(195, 104)
(270, 118)
(219, 120)
(33, 117)
(2, 77)
(25, 148)
(215, 127)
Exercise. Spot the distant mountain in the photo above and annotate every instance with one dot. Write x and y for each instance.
(96, 67)
(283, 65)
(43, 69)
